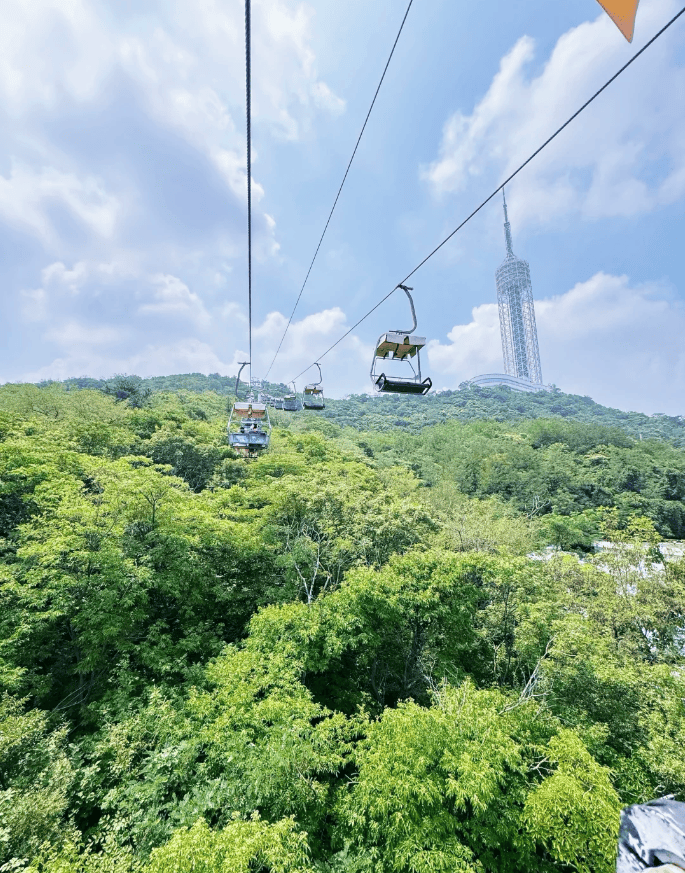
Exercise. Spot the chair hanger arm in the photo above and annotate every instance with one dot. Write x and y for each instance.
(406, 290)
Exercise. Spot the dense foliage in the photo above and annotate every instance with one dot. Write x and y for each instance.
(472, 403)
(354, 653)
(388, 412)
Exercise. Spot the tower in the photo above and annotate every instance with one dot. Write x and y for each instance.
(517, 314)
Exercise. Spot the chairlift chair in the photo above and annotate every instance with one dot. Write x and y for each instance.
(291, 402)
(278, 403)
(249, 428)
(400, 345)
(313, 394)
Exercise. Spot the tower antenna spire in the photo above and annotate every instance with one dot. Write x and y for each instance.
(507, 229)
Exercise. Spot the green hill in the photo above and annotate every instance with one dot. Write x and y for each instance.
(345, 655)
(388, 411)
(385, 412)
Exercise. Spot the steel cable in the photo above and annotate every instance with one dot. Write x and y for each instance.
(248, 110)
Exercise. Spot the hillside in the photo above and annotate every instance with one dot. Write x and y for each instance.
(388, 411)
(338, 656)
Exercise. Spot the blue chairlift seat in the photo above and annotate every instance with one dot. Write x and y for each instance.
(249, 428)
(313, 398)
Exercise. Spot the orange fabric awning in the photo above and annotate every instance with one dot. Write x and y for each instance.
(622, 13)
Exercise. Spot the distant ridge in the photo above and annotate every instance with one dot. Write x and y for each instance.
(468, 403)
(498, 403)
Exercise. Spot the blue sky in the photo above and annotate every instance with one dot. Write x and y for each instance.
(122, 188)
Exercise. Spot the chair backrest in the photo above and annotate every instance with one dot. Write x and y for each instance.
(250, 410)
(399, 345)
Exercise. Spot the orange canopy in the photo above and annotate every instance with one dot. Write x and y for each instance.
(623, 14)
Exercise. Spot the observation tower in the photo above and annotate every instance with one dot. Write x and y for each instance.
(517, 314)
(522, 371)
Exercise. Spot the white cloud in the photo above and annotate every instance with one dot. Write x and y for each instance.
(191, 58)
(232, 311)
(620, 344)
(625, 154)
(305, 338)
(188, 355)
(27, 195)
(105, 290)
(191, 72)
(63, 289)
(186, 65)
(84, 330)
(68, 48)
(100, 350)
(326, 99)
(174, 298)
(463, 136)
(34, 305)
(345, 368)
(73, 334)
(59, 274)
(474, 348)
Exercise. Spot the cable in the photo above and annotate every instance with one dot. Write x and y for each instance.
(248, 108)
(499, 188)
(337, 196)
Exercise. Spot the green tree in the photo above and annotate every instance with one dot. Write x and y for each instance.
(35, 781)
(241, 847)
(462, 785)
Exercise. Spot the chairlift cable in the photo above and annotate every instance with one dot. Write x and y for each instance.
(337, 196)
(248, 109)
(249, 426)
(499, 188)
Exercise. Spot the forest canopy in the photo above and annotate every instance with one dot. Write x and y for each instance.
(377, 647)
(388, 412)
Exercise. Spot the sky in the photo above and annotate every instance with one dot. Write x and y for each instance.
(123, 229)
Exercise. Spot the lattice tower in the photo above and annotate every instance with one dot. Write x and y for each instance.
(517, 314)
